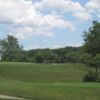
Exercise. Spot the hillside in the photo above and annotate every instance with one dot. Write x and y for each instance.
(46, 82)
(28, 72)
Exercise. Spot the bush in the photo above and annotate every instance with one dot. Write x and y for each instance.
(90, 77)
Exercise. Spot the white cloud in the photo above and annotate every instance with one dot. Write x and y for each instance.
(54, 21)
(34, 46)
(27, 21)
(28, 32)
(93, 6)
(12, 10)
(66, 5)
(98, 15)
(51, 46)
(25, 30)
(22, 32)
(18, 35)
(75, 8)
(74, 45)
(41, 25)
(82, 15)
(50, 21)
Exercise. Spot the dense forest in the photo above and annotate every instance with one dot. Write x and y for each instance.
(88, 54)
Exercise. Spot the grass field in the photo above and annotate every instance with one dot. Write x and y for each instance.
(46, 82)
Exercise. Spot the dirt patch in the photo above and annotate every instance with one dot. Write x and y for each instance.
(10, 97)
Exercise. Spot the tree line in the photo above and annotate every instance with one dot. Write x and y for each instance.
(88, 54)
(11, 51)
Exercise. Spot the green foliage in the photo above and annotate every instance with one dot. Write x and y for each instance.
(39, 58)
(62, 55)
(96, 61)
(92, 39)
(86, 58)
(90, 77)
(10, 49)
(92, 46)
(74, 57)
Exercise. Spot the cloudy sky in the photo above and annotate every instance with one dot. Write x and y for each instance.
(47, 23)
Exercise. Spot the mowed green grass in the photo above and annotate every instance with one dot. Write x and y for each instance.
(46, 82)
(28, 72)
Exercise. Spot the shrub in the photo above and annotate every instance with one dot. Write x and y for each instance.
(90, 77)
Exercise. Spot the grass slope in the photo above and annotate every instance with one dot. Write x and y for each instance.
(28, 72)
(46, 82)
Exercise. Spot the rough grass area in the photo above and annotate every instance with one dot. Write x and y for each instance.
(28, 72)
(46, 82)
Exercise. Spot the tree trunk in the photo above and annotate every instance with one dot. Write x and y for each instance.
(96, 69)
(86, 66)
(99, 69)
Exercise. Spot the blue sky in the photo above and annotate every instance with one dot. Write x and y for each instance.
(47, 23)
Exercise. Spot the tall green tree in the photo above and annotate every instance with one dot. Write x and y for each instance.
(10, 49)
(92, 39)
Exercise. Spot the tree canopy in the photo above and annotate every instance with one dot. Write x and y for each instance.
(92, 39)
(10, 49)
